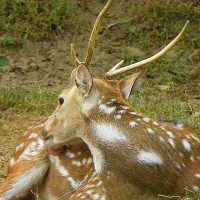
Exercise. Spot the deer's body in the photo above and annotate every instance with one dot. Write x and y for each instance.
(147, 156)
(140, 149)
(65, 175)
(135, 157)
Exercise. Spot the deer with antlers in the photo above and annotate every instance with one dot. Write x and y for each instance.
(135, 156)
(132, 153)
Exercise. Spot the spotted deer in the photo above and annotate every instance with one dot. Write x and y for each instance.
(59, 173)
(70, 165)
(135, 156)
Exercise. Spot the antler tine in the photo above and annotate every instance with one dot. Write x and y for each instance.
(74, 57)
(151, 59)
(118, 65)
(95, 32)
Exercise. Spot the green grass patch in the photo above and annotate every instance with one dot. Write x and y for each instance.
(153, 103)
(163, 105)
(30, 19)
(35, 101)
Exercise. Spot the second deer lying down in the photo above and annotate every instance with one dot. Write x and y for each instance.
(135, 156)
(70, 174)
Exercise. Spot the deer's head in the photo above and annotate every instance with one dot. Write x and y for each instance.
(85, 94)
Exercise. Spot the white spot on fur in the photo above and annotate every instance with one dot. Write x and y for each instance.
(107, 133)
(69, 154)
(76, 163)
(146, 119)
(33, 135)
(19, 147)
(155, 123)
(195, 138)
(73, 183)
(192, 158)
(89, 161)
(149, 158)
(125, 107)
(89, 192)
(95, 196)
(61, 170)
(187, 136)
(84, 161)
(186, 145)
(150, 131)
(197, 175)
(181, 155)
(99, 183)
(118, 117)
(195, 188)
(133, 113)
(171, 142)
(183, 165)
(106, 110)
(12, 161)
(178, 166)
(161, 139)
(170, 134)
(163, 128)
(133, 124)
(121, 111)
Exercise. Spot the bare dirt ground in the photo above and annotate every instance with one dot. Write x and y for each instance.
(48, 64)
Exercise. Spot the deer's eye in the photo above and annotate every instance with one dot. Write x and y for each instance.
(60, 100)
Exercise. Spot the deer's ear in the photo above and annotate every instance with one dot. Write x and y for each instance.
(83, 80)
(130, 83)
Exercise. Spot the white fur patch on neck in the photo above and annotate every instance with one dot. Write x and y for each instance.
(149, 158)
(98, 157)
(107, 133)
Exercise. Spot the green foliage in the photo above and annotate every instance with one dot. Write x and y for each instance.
(8, 41)
(34, 19)
(162, 105)
(34, 100)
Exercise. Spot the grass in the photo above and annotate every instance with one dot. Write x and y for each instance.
(164, 106)
(36, 101)
(152, 102)
(35, 20)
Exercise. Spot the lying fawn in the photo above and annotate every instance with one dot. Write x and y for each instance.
(135, 156)
(70, 172)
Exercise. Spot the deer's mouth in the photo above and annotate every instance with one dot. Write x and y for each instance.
(56, 151)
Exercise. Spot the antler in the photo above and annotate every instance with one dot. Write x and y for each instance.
(93, 37)
(114, 71)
